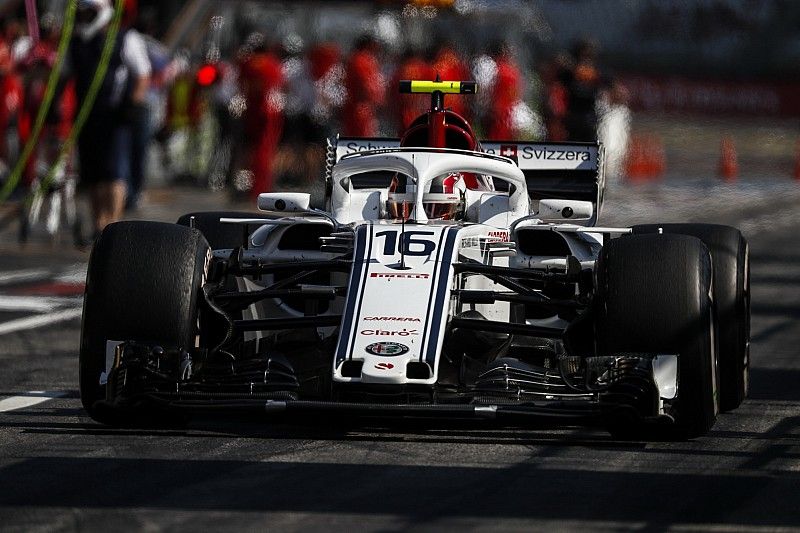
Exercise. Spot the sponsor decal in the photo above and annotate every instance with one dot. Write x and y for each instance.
(508, 150)
(394, 318)
(387, 349)
(479, 242)
(356, 146)
(400, 275)
(529, 152)
(389, 333)
(502, 236)
(540, 153)
(384, 366)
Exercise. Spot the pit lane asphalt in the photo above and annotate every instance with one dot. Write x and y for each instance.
(60, 471)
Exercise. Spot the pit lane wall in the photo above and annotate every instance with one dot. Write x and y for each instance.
(712, 97)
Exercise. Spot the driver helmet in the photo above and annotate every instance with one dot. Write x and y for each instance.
(401, 198)
(445, 200)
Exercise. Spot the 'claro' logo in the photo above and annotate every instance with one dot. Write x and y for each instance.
(387, 349)
(389, 332)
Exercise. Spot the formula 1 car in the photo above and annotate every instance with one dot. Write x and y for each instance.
(435, 276)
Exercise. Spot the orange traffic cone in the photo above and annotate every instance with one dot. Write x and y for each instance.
(657, 158)
(728, 164)
(634, 161)
(645, 158)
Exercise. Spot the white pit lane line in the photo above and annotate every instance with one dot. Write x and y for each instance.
(38, 304)
(28, 399)
(22, 276)
(38, 321)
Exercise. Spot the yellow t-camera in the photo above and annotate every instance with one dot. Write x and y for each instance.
(444, 87)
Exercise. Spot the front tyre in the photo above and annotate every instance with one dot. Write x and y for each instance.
(654, 296)
(143, 283)
(731, 262)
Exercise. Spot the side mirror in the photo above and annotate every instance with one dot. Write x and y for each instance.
(556, 210)
(284, 202)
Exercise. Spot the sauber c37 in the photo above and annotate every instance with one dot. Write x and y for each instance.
(429, 276)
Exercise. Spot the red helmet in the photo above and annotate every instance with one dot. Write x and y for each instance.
(444, 200)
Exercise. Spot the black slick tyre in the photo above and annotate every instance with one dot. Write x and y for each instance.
(653, 296)
(730, 259)
(143, 283)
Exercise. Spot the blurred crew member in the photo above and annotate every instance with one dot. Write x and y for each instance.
(104, 144)
(408, 107)
(506, 92)
(36, 68)
(138, 112)
(364, 84)
(583, 83)
(261, 77)
(449, 67)
(10, 100)
(328, 73)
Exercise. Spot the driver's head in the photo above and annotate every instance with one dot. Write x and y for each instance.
(444, 199)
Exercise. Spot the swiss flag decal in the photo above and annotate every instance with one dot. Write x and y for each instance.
(509, 150)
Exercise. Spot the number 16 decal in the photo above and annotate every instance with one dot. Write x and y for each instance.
(411, 243)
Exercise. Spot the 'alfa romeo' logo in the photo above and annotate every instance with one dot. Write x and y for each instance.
(387, 349)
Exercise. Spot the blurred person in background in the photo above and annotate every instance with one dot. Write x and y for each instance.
(179, 134)
(328, 74)
(11, 94)
(261, 77)
(300, 154)
(36, 68)
(224, 90)
(614, 127)
(104, 143)
(16, 35)
(449, 66)
(584, 84)
(555, 97)
(138, 109)
(365, 89)
(506, 94)
(55, 197)
(412, 66)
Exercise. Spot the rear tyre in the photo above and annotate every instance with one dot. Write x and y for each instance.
(731, 262)
(143, 284)
(654, 296)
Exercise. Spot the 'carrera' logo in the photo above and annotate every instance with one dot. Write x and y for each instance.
(389, 333)
(394, 318)
(401, 275)
(384, 366)
(387, 349)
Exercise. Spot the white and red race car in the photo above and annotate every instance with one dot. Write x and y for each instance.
(437, 276)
